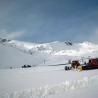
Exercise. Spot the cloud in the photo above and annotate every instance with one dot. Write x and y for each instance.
(11, 35)
(94, 36)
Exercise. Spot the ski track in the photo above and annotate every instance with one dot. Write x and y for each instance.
(46, 91)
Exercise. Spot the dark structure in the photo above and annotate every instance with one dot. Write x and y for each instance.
(26, 66)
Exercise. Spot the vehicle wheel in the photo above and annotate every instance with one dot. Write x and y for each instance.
(66, 68)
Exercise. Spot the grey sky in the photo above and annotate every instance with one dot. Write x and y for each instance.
(49, 20)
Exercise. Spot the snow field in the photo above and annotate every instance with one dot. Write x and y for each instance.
(52, 90)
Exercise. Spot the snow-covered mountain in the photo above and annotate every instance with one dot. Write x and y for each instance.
(46, 81)
(15, 53)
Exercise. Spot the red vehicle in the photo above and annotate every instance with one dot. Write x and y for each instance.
(75, 64)
(92, 64)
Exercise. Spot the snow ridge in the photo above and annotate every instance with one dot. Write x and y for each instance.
(56, 48)
(44, 92)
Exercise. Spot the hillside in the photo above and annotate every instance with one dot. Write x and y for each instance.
(44, 81)
(17, 53)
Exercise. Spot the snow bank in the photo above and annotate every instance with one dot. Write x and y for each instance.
(46, 91)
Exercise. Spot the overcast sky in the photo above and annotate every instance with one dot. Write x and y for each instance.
(49, 20)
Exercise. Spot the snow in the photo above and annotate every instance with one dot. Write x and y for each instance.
(58, 48)
(43, 83)
(17, 53)
(47, 77)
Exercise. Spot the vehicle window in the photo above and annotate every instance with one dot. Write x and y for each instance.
(97, 60)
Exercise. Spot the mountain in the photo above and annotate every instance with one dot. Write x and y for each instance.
(15, 53)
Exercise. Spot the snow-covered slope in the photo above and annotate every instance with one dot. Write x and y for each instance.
(17, 53)
(46, 81)
(57, 48)
(28, 83)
